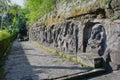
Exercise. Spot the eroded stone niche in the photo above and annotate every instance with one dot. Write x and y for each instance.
(94, 38)
(87, 33)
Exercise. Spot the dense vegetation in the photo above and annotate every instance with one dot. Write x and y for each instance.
(38, 8)
(12, 19)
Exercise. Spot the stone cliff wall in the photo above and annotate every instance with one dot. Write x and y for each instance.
(82, 29)
(72, 37)
(74, 33)
(64, 36)
(80, 10)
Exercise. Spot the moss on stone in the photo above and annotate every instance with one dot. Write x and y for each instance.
(83, 7)
(73, 59)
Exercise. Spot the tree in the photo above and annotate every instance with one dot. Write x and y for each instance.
(4, 5)
(14, 19)
(38, 8)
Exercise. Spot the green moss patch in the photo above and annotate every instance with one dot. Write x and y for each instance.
(73, 59)
(4, 34)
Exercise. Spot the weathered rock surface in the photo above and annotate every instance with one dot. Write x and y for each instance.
(115, 4)
(82, 9)
(73, 37)
(69, 28)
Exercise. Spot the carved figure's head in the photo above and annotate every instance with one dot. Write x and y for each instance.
(96, 28)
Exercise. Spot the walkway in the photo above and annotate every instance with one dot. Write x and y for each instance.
(27, 62)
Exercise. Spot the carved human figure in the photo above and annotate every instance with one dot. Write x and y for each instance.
(43, 34)
(98, 38)
(72, 38)
(49, 36)
(56, 34)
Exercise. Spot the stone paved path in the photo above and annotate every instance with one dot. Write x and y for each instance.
(111, 76)
(27, 62)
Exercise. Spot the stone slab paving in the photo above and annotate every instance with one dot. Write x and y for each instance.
(115, 75)
(27, 62)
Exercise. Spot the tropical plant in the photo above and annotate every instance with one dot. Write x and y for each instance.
(4, 5)
(14, 19)
(4, 34)
(38, 8)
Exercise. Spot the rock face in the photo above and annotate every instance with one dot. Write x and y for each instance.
(63, 36)
(97, 36)
(116, 7)
(82, 29)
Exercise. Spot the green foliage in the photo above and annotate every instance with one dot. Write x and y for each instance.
(4, 34)
(14, 20)
(38, 8)
(106, 1)
(113, 18)
(4, 6)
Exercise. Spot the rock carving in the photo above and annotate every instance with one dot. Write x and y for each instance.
(98, 38)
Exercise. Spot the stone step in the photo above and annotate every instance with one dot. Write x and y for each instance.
(91, 60)
(80, 76)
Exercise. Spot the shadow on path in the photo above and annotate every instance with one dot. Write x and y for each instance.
(61, 67)
(17, 66)
(27, 62)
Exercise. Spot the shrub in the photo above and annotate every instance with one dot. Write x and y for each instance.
(38, 8)
(4, 34)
